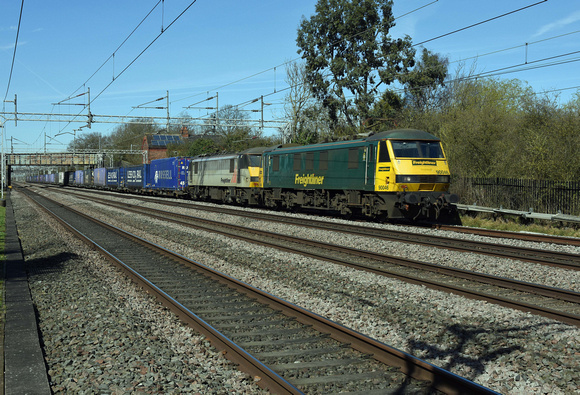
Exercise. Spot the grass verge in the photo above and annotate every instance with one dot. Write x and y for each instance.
(2, 258)
(510, 225)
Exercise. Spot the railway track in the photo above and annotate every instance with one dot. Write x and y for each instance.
(289, 349)
(535, 255)
(535, 237)
(555, 303)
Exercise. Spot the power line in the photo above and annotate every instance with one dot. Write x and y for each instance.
(14, 54)
(480, 23)
(112, 56)
(295, 59)
(528, 44)
(410, 12)
(146, 48)
(530, 65)
(134, 60)
(498, 71)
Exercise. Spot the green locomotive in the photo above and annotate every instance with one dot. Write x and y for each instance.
(396, 174)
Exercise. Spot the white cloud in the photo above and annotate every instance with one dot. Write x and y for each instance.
(10, 47)
(575, 17)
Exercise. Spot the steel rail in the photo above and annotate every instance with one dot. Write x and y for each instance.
(538, 289)
(268, 378)
(535, 255)
(441, 379)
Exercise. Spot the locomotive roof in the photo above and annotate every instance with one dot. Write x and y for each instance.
(255, 150)
(402, 134)
(214, 156)
(250, 151)
(395, 134)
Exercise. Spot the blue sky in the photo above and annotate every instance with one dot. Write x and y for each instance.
(237, 48)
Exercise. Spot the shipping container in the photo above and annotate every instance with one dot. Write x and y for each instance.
(135, 177)
(113, 177)
(100, 177)
(88, 178)
(79, 177)
(168, 174)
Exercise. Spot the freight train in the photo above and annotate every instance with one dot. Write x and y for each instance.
(391, 175)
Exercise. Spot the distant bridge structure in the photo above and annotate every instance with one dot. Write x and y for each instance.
(93, 158)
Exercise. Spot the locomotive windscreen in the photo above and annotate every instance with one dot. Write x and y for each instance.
(417, 149)
(250, 161)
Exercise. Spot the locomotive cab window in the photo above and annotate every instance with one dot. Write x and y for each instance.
(243, 161)
(417, 149)
(431, 149)
(232, 165)
(384, 152)
(276, 163)
(255, 160)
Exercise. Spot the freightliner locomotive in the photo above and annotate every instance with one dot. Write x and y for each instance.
(391, 175)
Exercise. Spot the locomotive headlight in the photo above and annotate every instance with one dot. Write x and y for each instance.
(407, 179)
(443, 179)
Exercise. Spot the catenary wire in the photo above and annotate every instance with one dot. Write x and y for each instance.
(291, 60)
(432, 39)
(116, 50)
(133, 61)
(14, 54)
(479, 23)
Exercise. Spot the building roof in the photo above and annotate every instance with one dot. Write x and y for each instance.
(162, 140)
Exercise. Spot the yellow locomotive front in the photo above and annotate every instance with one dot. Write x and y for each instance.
(412, 172)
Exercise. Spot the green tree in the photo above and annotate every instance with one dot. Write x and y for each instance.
(385, 113)
(348, 50)
(549, 138)
(567, 141)
(423, 84)
(201, 146)
(479, 127)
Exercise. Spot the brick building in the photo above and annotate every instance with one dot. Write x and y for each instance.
(156, 144)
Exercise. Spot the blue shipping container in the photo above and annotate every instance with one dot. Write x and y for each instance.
(113, 177)
(122, 176)
(100, 177)
(135, 176)
(79, 177)
(168, 174)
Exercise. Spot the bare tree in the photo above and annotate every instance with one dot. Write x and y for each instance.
(307, 120)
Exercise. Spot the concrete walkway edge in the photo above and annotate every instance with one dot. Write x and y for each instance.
(24, 365)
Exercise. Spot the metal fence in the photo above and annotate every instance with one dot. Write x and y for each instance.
(518, 194)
